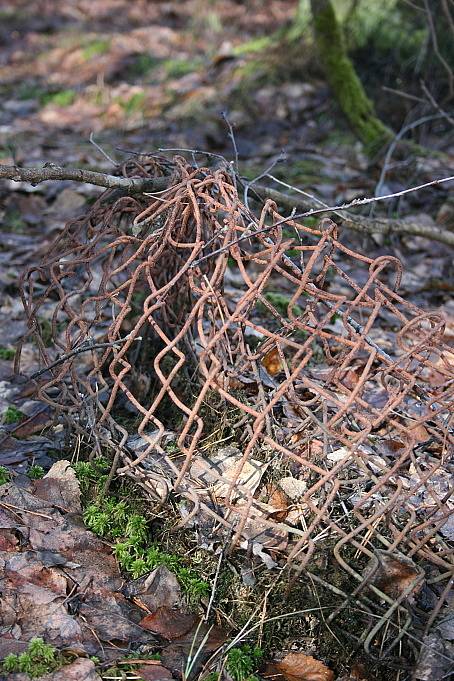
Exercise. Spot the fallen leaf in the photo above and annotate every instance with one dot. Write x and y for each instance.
(299, 667)
(433, 664)
(159, 588)
(111, 616)
(224, 467)
(152, 672)
(272, 362)
(418, 432)
(60, 487)
(338, 454)
(169, 623)
(394, 574)
(277, 499)
(391, 448)
(175, 655)
(8, 541)
(81, 669)
(351, 378)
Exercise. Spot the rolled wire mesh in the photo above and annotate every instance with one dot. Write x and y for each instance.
(162, 306)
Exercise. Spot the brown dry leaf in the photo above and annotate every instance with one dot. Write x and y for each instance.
(81, 669)
(224, 468)
(391, 448)
(8, 541)
(299, 667)
(35, 423)
(358, 672)
(60, 487)
(351, 378)
(155, 590)
(152, 672)
(175, 655)
(394, 574)
(278, 501)
(169, 623)
(272, 362)
(419, 433)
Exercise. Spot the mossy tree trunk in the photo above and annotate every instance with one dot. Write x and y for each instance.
(344, 81)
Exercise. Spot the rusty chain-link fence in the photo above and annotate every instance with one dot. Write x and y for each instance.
(241, 362)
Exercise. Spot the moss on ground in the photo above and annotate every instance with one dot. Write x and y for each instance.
(95, 48)
(4, 475)
(12, 415)
(6, 353)
(40, 658)
(128, 527)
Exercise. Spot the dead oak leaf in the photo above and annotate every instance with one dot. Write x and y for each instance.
(169, 623)
(299, 667)
(272, 362)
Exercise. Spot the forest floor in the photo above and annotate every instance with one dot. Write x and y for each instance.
(143, 77)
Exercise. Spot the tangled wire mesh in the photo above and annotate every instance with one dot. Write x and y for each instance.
(166, 317)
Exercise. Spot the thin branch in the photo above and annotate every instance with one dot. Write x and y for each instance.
(385, 197)
(403, 131)
(83, 347)
(403, 94)
(232, 137)
(139, 185)
(53, 172)
(365, 224)
(441, 59)
(101, 150)
(435, 104)
(359, 223)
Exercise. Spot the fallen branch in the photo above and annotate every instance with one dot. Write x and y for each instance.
(50, 171)
(359, 223)
(135, 185)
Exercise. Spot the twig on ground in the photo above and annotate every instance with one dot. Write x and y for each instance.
(53, 172)
(213, 588)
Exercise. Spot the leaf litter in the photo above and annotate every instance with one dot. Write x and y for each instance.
(61, 582)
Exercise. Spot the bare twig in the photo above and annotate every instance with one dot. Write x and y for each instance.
(435, 104)
(232, 137)
(53, 172)
(359, 223)
(83, 347)
(101, 150)
(441, 59)
(139, 185)
(401, 93)
(403, 131)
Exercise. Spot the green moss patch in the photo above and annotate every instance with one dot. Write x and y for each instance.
(40, 658)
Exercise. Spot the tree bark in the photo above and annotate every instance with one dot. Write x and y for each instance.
(344, 81)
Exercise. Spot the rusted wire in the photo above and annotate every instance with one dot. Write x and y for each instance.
(178, 301)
